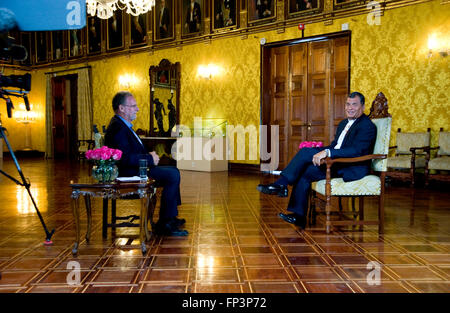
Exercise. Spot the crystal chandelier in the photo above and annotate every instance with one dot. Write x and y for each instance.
(105, 8)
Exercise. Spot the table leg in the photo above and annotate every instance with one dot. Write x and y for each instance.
(87, 202)
(105, 218)
(152, 206)
(143, 221)
(145, 218)
(76, 216)
(113, 214)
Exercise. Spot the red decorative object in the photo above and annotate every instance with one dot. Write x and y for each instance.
(310, 144)
(301, 26)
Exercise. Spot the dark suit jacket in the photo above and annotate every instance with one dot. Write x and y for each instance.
(359, 141)
(196, 17)
(119, 136)
(165, 21)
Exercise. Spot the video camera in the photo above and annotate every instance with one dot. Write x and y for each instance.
(9, 50)
(31, 15)
(23, 82)
(16, 52)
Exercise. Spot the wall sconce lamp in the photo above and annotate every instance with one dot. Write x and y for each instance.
(26, 117)
(23, 116)
(127, 81)
(208, 71)
(439, 45)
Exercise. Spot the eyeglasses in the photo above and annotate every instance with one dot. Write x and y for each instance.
(132, 106)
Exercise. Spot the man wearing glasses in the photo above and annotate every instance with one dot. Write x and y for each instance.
(120, 135)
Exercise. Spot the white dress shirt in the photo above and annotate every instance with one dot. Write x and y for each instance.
(341, 137)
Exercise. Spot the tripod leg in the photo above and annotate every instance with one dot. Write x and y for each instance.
(27, 186)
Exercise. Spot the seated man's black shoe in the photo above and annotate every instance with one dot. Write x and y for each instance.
(274, 189)
(168, 229)
(177, 222)
(295, 219)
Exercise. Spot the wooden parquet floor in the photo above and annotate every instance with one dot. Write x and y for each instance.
(236, 241)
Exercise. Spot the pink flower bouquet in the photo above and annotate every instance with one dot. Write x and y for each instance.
(104, 170)
(104, 154)
(310, 144)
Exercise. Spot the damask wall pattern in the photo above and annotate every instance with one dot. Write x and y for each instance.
(390, 57)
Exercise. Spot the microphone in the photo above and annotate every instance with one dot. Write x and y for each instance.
(9, 107)
(27, 103)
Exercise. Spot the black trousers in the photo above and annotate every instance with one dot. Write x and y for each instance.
(167, 177)
(300, 173)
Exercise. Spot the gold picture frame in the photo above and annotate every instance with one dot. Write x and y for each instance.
(41, 47)
(114, 31)
(138, 26)
(163, 20)
(298, 8)
(261, 11)
(75, 40)
(94, 31)
(224, 15)
(192, 18)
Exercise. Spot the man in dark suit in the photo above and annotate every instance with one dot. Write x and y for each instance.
(120, 135)
(225, 13)
(355, 136)
(264, 8)
(164, 20)
(193, 17)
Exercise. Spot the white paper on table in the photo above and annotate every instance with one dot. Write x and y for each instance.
(132, 178)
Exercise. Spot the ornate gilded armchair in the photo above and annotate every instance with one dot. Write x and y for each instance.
(410, 155)
(437, 166)
(371, 185)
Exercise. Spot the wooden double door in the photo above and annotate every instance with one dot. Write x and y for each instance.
(64, 122)
(305, 87)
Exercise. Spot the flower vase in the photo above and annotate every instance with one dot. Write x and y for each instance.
(105, 172)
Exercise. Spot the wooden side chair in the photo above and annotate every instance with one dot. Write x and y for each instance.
(83, 146)
(410, 155)
(438, 167)
(371, 185)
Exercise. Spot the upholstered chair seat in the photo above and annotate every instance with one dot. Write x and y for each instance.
(369, 185)
(442, 164)
(404, 161)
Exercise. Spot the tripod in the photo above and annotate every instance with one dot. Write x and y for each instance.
(24, 183)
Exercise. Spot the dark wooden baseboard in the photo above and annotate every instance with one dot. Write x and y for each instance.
(241, 167)
(25, 154)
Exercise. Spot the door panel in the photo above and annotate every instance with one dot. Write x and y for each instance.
(59, 126)
(64, 106)
(318, 91)
(340, 77)
(309, 84)
(279, 116)
(298, 119)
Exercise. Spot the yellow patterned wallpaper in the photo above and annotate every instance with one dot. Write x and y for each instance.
(390, 57)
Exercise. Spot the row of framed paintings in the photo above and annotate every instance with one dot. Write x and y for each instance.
(109, 35)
